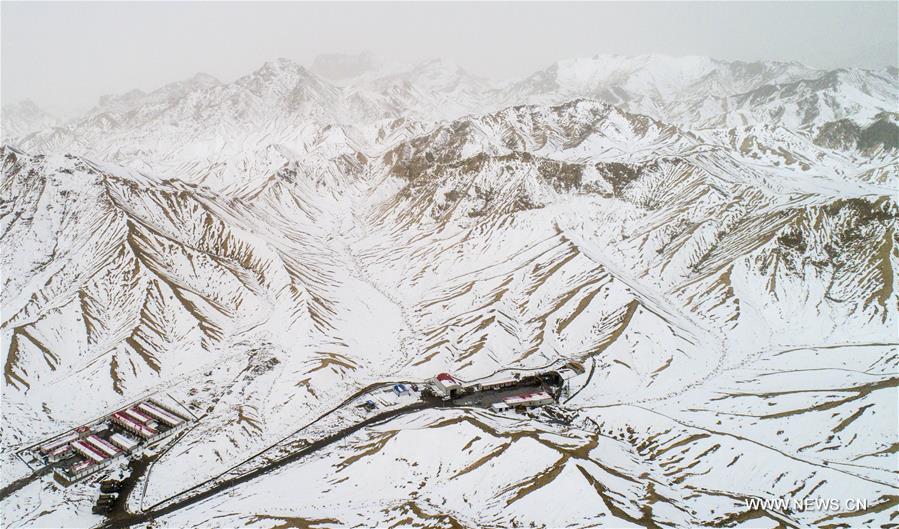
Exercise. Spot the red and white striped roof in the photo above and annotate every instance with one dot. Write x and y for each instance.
(137, 415)
(527, 397)
(104, 445)
(132, 425)
(163, 416)
(89, 451)
(66, 439)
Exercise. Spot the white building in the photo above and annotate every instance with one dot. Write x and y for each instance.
(529, 400)
(444, 385)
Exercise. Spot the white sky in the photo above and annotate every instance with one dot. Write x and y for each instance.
(65, 55)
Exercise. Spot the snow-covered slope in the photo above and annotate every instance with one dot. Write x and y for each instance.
(858, 95)
(668, 88)
(272, 250)
(184, 128)
(698, 92)
(24, 117)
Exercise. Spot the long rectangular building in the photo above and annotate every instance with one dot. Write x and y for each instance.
(136, 416)
(133, 426)
(56, 444)
(498, 384)
(104, 445)
(528, 400)
(89, 451)
(60, 452)
(123, 442)
(160, 414)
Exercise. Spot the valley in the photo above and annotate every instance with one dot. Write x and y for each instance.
(276, 251)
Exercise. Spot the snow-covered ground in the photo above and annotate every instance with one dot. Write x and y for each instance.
(275, 251)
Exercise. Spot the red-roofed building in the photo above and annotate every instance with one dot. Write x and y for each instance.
(444, 385)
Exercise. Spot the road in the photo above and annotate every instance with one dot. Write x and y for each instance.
(22, 482)
(689, 324)
(121, 519)
(131, 519)
(367, 390)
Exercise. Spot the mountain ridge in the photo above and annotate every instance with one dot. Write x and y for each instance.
(720, 266)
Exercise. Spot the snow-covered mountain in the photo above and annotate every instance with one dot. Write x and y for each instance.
(661, 86)
(699, 92)
(190, 128)
(183, 128)
(857, 95)
(716, 243)
(24, 117)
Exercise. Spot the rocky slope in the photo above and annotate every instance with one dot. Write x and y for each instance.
(264, 249)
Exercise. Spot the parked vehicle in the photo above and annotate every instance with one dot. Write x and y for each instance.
(107, 486)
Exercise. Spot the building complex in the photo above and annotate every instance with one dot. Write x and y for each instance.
(94, 446)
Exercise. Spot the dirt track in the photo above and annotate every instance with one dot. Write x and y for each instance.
(21, 482)
(128, 520)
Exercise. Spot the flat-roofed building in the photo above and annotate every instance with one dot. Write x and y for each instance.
(530, 400)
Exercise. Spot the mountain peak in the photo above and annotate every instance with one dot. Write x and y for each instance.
(281, 65)
(204, 79)
(279, 71)
(123, 100)
(278, 76)
(23, 117)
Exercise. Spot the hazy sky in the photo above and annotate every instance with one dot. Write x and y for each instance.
(65, 55)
